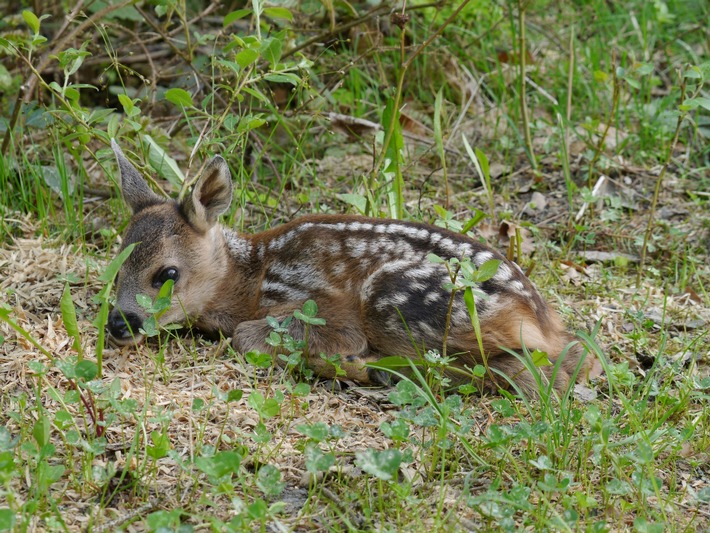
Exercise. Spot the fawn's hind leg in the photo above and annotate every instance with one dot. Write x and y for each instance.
(342, 334)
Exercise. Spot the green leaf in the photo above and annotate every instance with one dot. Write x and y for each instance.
(86, 370)
(487, 270)
(316, 460)
(7, 519)
(269, 481)
(358, 201)
(310, 308)
(246, 57)
(284, 77)
(438, 137)
(393, 362)
(31, 20)
(163, 163)
(644, 69)
(278, 13)
(271, 50)
(261, 359)
(700, 101)
(383, 464)
(41, 431)
(234, 395)
(129, 107)
(69, 318)
(235, 15)
(179, 97)
(483, 160)
(540, 358)
(144, 301)
(161, 445)
(302, 389)
(220, 464)
(308, 314)
(317, 431)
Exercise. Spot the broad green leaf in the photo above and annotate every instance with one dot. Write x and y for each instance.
(487, 270)
(31, 20)
(271, 50)
(160, 447)
(540, 358)
(127, 103)
(7, 519)
(179, 97)
(41, 431)
(316, 460)
(269, 481)
(246, 57)
(310, 308)
(278, 13)
(234, 395)
(383, 464)
(358, 201)
(700, 101)
(284, 77)
(235, 15)
(69, 318)
(165, 165)
(86, 370)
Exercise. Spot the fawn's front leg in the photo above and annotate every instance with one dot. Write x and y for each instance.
(343, 334)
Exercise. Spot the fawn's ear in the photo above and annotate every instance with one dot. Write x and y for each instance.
(134, 188)
(211, 196)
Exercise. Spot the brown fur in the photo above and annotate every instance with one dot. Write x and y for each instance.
(371, 279)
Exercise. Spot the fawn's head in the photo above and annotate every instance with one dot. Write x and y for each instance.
(175, 240)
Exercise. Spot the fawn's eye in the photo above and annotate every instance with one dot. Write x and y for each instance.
(164, 275)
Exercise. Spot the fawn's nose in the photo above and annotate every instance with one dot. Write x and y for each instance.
(124, 326)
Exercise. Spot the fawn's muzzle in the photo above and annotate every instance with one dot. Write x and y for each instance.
(124, 327)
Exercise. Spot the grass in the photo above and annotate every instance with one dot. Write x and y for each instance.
(182, 434)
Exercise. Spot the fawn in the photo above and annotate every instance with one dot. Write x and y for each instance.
(371, 279)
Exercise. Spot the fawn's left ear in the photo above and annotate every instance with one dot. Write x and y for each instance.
(211, 196)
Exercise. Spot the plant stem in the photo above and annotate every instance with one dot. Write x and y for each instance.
(659, 181)
(523, 100)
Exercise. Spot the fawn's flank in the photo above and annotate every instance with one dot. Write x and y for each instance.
(371, 278)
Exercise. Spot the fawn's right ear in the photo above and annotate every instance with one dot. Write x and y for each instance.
(211, 195)
(134, 188)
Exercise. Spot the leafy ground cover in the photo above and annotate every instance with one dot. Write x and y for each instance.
(572, 136)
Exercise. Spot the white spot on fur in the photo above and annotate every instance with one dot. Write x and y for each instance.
(517, 286)
(482, 257)
(300, 273)
(504, 273)
(426, 329)
(286, 291)
(356, 247)
(431, 297)
(239, 247)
